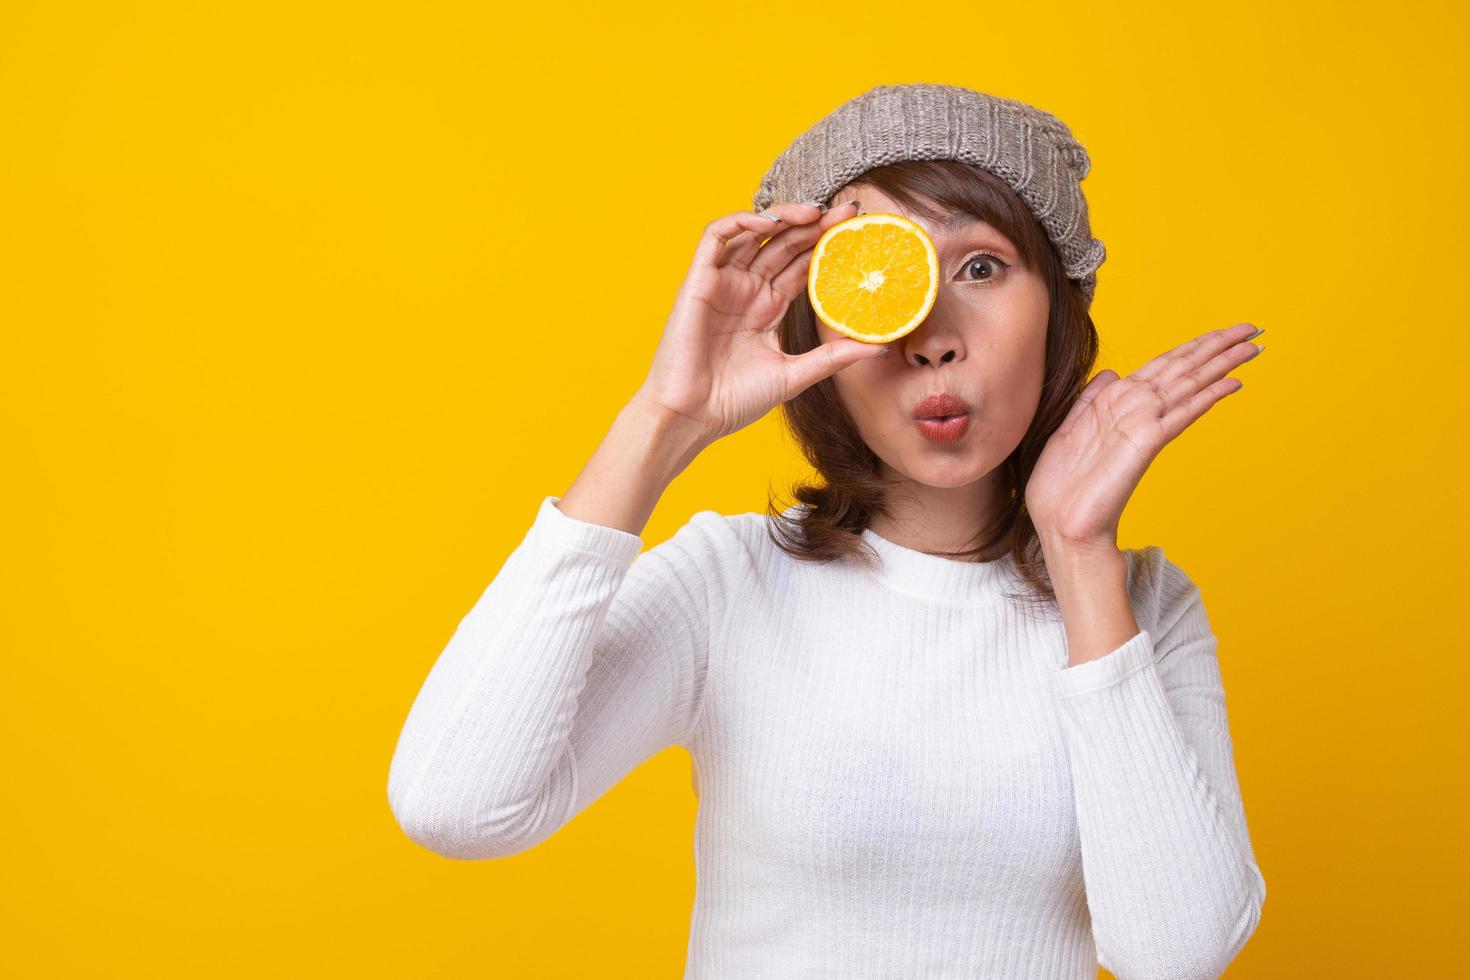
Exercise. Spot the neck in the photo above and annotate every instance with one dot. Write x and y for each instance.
(934, 519)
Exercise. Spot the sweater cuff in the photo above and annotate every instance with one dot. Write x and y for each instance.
(1107, 670)
(566, 532)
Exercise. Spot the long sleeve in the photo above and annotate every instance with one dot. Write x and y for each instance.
(1171, 879)
(580, 660)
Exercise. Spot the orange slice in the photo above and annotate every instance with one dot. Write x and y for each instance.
(873, 277)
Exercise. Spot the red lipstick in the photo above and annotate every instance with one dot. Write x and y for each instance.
(942, 418)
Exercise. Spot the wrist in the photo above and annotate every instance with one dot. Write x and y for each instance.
(1076, 548)
(665, 441)
(1070, 562)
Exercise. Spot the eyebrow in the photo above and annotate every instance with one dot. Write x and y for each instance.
(964, 219)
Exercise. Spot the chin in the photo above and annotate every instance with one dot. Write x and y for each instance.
(948, 473)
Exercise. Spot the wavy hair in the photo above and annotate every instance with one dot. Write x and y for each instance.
(849, 488)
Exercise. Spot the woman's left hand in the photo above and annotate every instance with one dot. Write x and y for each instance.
(1090, 466)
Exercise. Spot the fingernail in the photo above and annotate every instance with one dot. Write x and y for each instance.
(1260, 347)
(855, 203)
(1259, 331)
(817, 204)
(770, 217)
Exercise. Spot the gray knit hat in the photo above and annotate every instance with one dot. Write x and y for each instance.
(1031, 150)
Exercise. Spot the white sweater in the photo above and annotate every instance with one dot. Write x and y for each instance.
(897, 774)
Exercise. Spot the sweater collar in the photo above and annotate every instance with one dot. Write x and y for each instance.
(939, 578)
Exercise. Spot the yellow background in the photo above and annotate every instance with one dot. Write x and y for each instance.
(306, 306)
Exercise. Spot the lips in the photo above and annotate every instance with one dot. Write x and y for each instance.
(940, 406)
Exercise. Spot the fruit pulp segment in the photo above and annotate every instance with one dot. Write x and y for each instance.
(883, 280)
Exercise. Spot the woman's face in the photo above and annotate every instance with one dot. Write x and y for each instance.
(984, 341)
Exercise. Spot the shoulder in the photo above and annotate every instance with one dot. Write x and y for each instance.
(710, 536)
(721, 561)
(727, 545)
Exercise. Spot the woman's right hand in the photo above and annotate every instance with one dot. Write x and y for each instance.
(719, 363)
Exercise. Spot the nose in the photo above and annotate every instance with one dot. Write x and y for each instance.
(932, 343)
(944, 358)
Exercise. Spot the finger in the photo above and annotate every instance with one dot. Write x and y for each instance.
(1185, 385)
(1159, 364)
(776, 254)
(743, 247)
(1212, 345)
(1182, 416)
(718, 233)
(1186, 356)
(1153, 367)
(792, 279)
(805, 370)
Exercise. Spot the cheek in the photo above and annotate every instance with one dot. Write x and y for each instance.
(856, 392)
(1018, 395)
(1014, 378)
(868, 390)
(1021, 347)
(1024, 358)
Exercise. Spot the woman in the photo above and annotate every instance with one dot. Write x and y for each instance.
(903, 770)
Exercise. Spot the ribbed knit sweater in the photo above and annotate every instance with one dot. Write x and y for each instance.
(898, 775)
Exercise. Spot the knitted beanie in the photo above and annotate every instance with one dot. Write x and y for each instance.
(1031, 150)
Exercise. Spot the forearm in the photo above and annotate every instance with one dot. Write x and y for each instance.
(1091, 584)
(637, 460)
(1172, 883)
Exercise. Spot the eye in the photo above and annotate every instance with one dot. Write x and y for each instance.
(981, 260)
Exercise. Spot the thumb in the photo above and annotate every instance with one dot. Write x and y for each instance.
(821, 362)
(1098, 383)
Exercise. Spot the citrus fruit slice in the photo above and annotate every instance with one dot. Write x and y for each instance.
(873, 277)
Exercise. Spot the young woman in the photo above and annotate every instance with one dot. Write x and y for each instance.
(941, 723)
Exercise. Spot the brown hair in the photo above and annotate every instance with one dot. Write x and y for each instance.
(851, 488)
